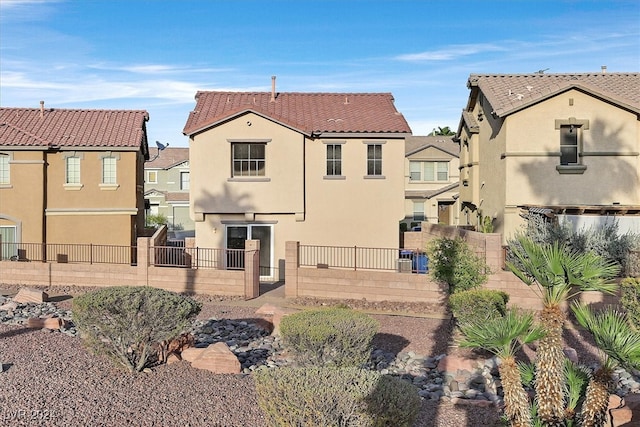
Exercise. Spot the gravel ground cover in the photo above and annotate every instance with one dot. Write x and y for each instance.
(50, 379)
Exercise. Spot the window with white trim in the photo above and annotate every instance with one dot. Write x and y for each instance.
(374, 159)
(4, 169)
(569, 145)
(72, 175)
(152, 177)
(334, 159)
(429, 171)
(248, 159)
(109, 170)
(418, 211)
(184, 180)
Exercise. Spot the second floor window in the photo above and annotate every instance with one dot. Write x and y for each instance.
(72, 170)
(428, 171)
(152, 177)
(334, 159)
(184, 180)
(4, 169)
(109, 170)
(569, 145)
(248, 159)
(374, 159)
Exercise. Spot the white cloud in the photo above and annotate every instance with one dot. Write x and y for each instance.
(451, 52)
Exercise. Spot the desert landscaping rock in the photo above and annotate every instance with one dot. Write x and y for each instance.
(441, 379)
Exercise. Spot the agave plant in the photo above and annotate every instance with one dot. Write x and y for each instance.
(619, 345)
(503, 336)
(558, 274)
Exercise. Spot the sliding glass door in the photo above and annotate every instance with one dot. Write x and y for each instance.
(236, 236)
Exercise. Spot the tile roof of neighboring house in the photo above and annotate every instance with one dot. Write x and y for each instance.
(508, 93)
(168, 158)
(413, 144)
(427, 194)
(61, 128)
(177, 196)
(307, 112)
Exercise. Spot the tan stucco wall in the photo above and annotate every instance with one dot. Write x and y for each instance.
(518, 159)
(23, 198)
(431, 205)
(296, 197)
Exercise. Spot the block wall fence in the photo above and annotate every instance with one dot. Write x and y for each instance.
(244, 283)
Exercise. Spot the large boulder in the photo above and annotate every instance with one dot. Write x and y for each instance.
(28, 295)
(217, 358)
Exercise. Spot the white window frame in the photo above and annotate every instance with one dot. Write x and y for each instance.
(334, 160)
(5, 169)
(419, 171)
(149, 174)
(72, 170)
(109, 170)
(253, 165)
(185, 184)
(374, 159)
(418, 211)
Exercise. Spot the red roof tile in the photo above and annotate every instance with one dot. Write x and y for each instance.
(508, 93)
(306, 112)
(169, 157)
(33, 127)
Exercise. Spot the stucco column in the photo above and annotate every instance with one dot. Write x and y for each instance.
(143, 260)
(251, 269)
(292, 254)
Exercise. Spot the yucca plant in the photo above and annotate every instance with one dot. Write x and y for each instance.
(503, 336)
(618, 344)
(559, 274)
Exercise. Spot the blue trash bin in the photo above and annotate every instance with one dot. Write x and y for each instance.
(420, 263)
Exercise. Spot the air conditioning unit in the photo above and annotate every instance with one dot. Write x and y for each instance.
(404, 265)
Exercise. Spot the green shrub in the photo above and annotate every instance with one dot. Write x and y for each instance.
(478, 305)
(156, 220)
(604, 240)
(453, 262)
(321, 396)
(126, 322)
(630, 300)
(333, 336)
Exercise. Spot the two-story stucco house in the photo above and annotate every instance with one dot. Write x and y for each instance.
(319, 168)
(72, 176)
(559, 144)
(431, 180)
(166, 187)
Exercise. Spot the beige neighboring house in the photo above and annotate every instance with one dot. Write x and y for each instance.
(562, 145)
(72, 176)
(166, 189)
(319, 168)
(431, 180)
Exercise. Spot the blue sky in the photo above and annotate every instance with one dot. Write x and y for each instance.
(155, 55)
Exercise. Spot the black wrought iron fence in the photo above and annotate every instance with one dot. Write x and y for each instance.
(362, 258)
(68, 253)
(206, 258)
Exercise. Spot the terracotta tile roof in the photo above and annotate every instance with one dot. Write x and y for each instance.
(427, 194)
(33, 127)
(306, 112)
(508, 93)
(413, 144)
(177, 196)
(168, 158)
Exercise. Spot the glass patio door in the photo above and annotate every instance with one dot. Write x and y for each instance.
(236, 237)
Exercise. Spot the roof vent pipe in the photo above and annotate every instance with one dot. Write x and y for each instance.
(41, 108)
(273, 88)
(604, 69)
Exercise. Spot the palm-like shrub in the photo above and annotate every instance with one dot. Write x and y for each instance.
(619, 346)
(503, 336)
(558, 274)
